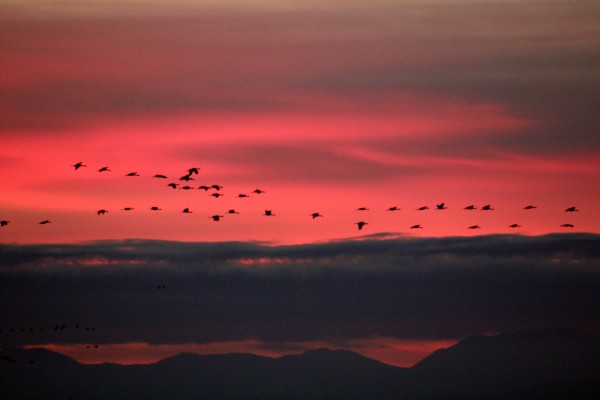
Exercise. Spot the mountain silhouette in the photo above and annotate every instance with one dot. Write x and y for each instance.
(481, 365)
(532, 364)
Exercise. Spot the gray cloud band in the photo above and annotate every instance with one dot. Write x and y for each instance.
(176, 292)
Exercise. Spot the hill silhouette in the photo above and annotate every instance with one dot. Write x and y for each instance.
(524, 364)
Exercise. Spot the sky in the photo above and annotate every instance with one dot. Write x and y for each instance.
(327, 107)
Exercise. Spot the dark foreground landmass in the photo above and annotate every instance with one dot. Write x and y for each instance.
(536, 364)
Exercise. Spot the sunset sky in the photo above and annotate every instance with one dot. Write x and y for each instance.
(327, 106)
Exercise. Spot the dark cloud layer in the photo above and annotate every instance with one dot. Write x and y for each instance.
(404, 287)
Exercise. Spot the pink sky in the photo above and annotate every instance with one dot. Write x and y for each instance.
(326, 109)
(327, 106)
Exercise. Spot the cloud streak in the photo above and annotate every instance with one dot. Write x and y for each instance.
(534, 60)
(354, 289)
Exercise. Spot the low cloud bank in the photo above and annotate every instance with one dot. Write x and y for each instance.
(408, 288)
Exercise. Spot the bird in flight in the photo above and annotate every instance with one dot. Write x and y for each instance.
(471, 207)
(362, 209)
(216, 218)
(103, 169)
(132, 174)
(78, 165)
(487, 207)
(514, 226)
(567, 226)
(4, 223)
(571, 209)
(441, 206)
(101, 212)
(186, 187)
(44, 222)
(242, 195)
(315, 215)
(416, 227)
(258, 191)
(269, 213)
(186, 178)
(154, 208)
(423, 208)
(361, 224)
(217, 187)
(393, 209)
(127, 209)
(529, 207)
(193, 170)
(232, 211)
(474, 227)
(216, 195)
(186, 211)
(203, 187)
(160, 176)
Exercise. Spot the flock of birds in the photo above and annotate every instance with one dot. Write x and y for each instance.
(189, 176)
(47, 333)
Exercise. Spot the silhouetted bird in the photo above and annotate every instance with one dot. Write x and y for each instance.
(186, 188)
(203, 187)
(161, 287)
(132, 174)
(315, 215)
(104, 169)
(514, 226)
(474, 227)
(232, 211)
(567, 226)
(471, 207)
(217, 187)
(423, 208)
(571, 209)
(173, 185)
(4, 223)
(242, 195)
(258, 191)
(127, 208)
(362, 209)
(186, 178)
(361, 224)
(154, 208)
(160, 176)
(269, 213)
(78, 165)
(487, 207)
(101, 212)
(529, 207)
(216, 218)
(216, 195)
(186, 211)
(416, 227)
(193, 170)
(393, 209)
(44, 222)
(441, 206)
